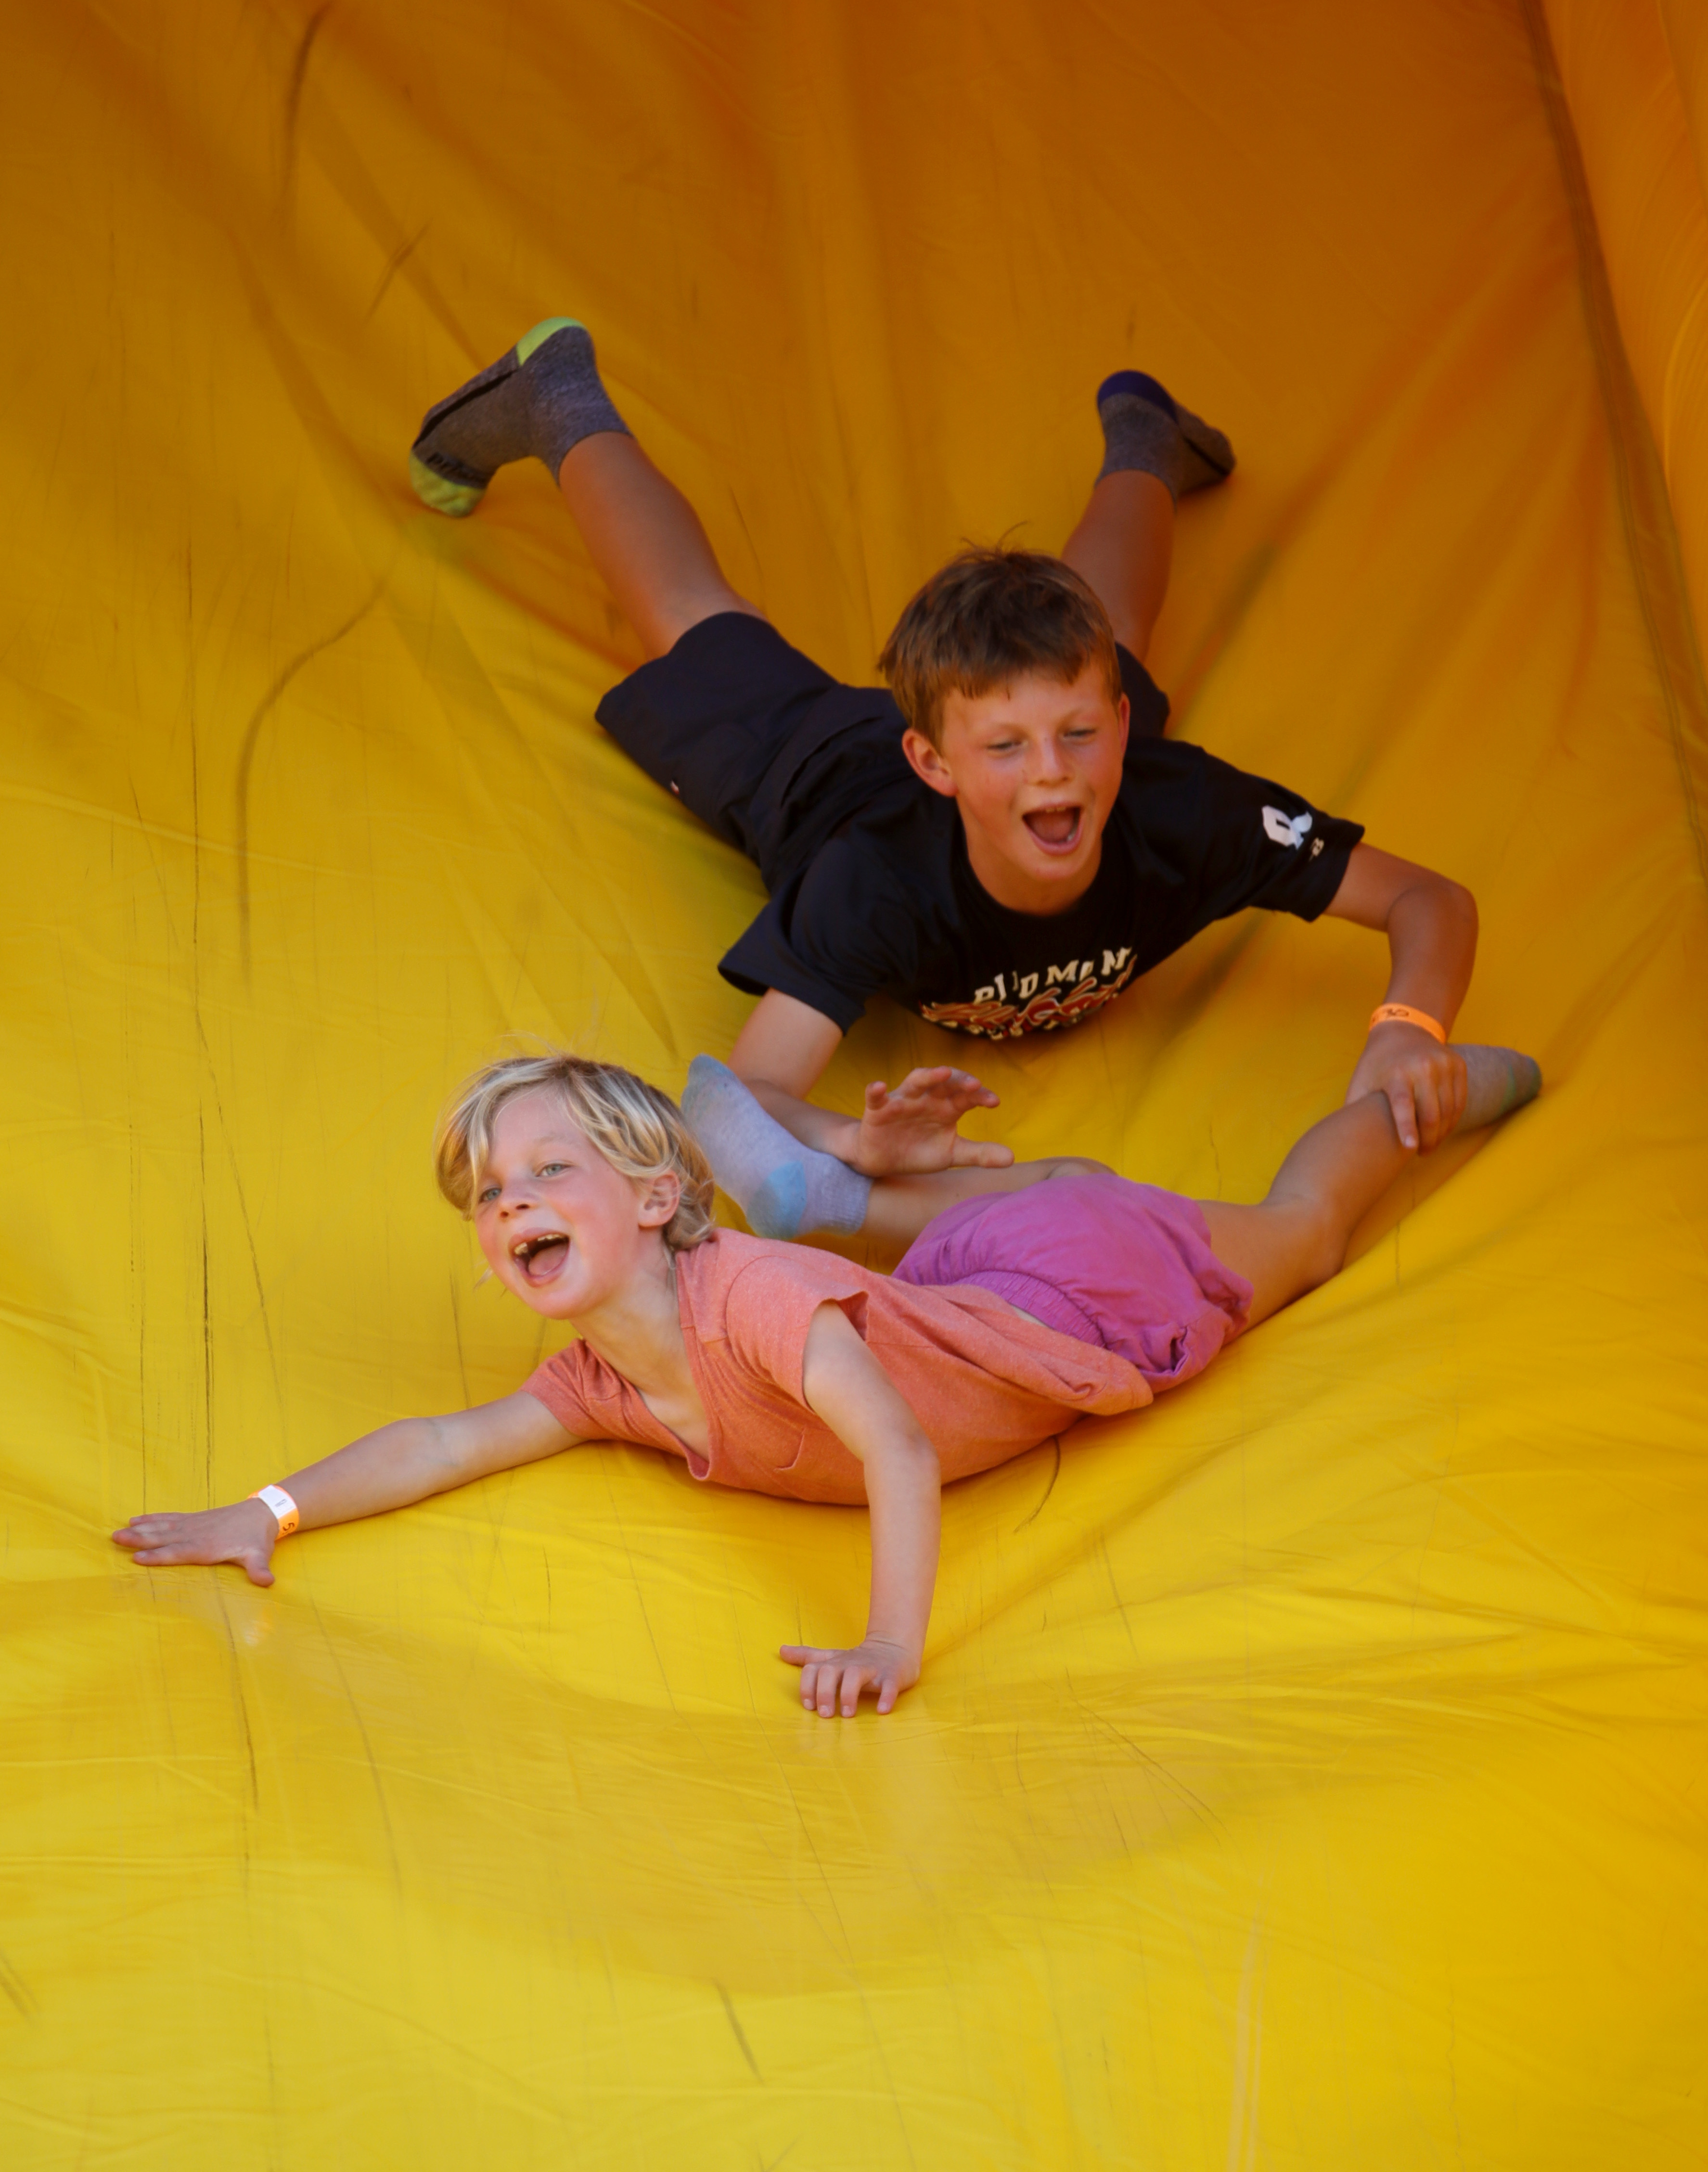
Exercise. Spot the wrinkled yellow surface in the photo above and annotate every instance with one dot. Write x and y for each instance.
(1634, 79)
(1313, 1776)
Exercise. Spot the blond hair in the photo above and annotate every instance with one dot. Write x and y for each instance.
(638, 1130)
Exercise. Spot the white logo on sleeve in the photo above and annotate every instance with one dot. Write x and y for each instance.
(1282, 831)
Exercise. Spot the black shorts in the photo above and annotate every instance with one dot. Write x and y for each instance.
(772, 753)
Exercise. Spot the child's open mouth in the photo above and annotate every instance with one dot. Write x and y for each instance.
(540, 1257)
(1056, 828)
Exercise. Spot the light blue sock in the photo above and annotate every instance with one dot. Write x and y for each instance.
(784, 1189)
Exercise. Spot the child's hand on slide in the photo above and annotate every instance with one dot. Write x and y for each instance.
(1425, 1082)
(833, 1681)
(245, 1533)
(911, 1131)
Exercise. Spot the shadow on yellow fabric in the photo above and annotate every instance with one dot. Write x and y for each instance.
(1305, 1774)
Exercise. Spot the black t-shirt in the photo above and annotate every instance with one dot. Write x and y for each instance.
(889, 903)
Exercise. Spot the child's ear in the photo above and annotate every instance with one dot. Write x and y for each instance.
(927, 762)
(660, 1197)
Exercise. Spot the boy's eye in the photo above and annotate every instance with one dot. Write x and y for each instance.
(485, 1198)
(553, 1168)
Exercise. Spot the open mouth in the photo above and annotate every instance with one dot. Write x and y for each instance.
(1057, 829)
(541, 1255)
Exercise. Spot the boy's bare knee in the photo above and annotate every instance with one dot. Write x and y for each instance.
(1076, 1165)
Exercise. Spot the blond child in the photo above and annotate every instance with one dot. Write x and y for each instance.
(1032, 1296)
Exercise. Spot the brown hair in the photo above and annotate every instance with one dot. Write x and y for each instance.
(987, 618)
(638, 1130)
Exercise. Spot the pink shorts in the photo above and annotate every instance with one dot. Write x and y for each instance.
(1121, 1264)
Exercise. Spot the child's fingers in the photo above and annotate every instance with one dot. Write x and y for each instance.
(981, 1154)
(804, 1655)
(175, 1551)
(141, 1529)
(973, 1094)
(1404, 1111)
(1426, 1101)
(134, 1540)
(815, 1666)
(1460, 1078)
(835, 1681)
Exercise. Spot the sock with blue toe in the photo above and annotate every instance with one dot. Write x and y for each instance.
(1145, 429)
(784, 1189)
(540, 399)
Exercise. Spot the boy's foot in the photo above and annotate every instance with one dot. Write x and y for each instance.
(541, 398)
(1145, 427)
(784, 1189)
(1499, 1081)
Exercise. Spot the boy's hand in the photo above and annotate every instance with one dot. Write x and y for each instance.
(833, 1681)
(1425, 1082)
(245, 1533)
(911, 1131)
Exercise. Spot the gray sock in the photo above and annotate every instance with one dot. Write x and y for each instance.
(1500, 1080)
(541, 398)
(785, 1189)
(1145, 428)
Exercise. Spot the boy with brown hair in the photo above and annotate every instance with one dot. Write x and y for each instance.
(1001, 843)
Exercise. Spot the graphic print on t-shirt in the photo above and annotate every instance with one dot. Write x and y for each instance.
(1015, 1003)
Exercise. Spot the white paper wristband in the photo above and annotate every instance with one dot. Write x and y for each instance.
(282, 1506)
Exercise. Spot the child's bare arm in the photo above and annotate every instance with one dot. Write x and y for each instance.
(1430, 924)
(398, 1463)
(847, 1387)
(780, 1056)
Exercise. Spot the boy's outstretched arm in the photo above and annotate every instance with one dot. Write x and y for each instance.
(910, 1129)
(400, 1463)
(846, 1386)
(1432, 929)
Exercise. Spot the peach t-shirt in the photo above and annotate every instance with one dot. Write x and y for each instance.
(984, 1384)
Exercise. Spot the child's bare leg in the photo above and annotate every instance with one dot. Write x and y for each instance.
(1122, 549)
(646, 540)
(1298, 1238)
(900, 1208)
(1155, 452)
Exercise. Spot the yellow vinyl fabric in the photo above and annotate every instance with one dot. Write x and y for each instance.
(1306, 1773)
(1633, 85)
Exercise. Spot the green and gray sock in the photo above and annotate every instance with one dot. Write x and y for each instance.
(541, 398)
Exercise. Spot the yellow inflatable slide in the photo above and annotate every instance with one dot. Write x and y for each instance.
(1310, 1771)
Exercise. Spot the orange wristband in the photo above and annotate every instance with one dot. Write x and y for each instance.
(1403, 1014)
(282, 1506)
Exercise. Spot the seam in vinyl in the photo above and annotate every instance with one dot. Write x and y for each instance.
(1646, 508)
